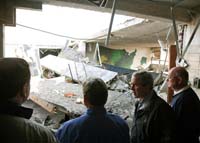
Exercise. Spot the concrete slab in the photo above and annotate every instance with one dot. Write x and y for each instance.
(76, 70)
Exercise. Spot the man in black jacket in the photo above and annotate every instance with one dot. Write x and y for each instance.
(154, 120)
(186, 105)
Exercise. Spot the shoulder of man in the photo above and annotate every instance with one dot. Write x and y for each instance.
(161, 104)
(31, 131)
(117, 118)
(40, 132)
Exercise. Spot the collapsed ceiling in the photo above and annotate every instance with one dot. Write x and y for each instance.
(157, 15)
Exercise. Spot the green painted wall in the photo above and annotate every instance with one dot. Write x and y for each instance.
(119, 58)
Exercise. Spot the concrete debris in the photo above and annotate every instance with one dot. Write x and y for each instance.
(62, 92)
(119, 85)
(76, 70)
(118, 102)
(71, 54)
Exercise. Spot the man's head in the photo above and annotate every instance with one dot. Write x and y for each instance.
(14, 79)
(177, 78)
(141, 84)
(95, 92)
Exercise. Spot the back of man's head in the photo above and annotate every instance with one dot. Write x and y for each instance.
(14, 73)
(96, 91)
(181, 72)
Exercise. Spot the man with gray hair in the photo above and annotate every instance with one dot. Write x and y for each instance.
(154, 119)
(96, 125)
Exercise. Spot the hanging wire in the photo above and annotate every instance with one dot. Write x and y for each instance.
(59, 35)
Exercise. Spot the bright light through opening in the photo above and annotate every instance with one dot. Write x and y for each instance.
(69, 22)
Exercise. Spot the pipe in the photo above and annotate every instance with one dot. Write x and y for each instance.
(175, 33)
(84, 70)
(191, 38)
(111, 22)
(70, 72)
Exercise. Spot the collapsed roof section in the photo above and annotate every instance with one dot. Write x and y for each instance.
(76, 70)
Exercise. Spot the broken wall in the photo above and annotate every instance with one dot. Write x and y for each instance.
(143, 57)
(132, 59)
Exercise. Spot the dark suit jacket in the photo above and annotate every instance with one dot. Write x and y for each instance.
(154, 122)
(186, 105)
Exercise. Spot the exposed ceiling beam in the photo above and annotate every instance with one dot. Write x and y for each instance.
(7, 12)
(28, 4)
(137, 8)
(151, 10)
(8, 9)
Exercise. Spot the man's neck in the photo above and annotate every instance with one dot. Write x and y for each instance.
(181, 89)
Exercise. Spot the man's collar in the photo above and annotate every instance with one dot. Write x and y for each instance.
(96, 110)
(181, 90)
(143, 103)
(13, 109)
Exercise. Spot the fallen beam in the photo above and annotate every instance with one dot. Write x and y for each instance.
(44, 104)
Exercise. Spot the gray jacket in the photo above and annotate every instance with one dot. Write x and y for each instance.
(16, 128)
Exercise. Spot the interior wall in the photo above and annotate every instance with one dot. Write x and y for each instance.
(142, 53)
(133, 58)
(193, 54)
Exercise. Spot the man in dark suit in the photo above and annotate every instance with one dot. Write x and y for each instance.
(186, 105)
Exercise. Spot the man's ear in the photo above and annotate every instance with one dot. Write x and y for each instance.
(180, 80)
(23, 94)
(26, 90)
(85, 100)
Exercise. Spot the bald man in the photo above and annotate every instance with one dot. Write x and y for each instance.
(186, 105)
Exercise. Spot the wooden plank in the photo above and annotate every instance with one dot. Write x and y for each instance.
(172, 63)
(44, 104)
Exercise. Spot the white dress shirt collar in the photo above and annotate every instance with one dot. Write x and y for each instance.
(182, 89)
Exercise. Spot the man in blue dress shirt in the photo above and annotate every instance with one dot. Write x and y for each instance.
(96, 125)
(186, 105)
